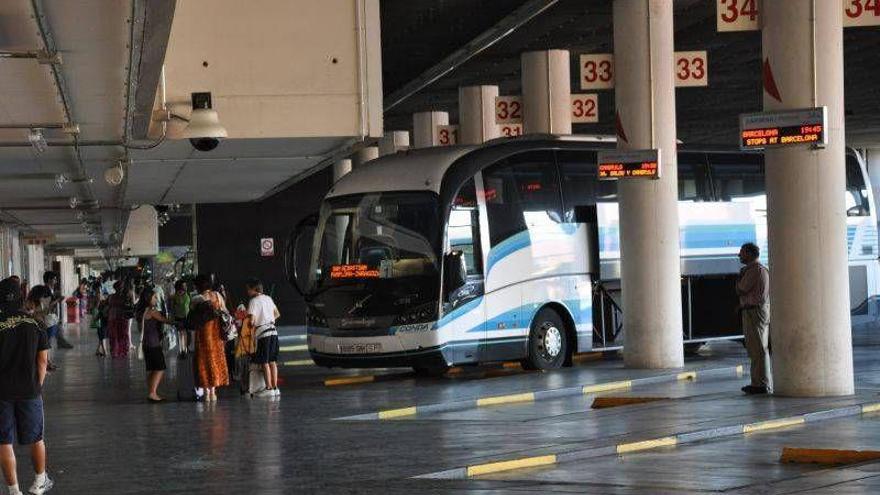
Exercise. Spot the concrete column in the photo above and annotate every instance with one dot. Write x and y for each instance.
(424, 128)
(476, 114)
(650, 263)
(341, 168)
(809, 283)
(546, 92)
(393, 142)
(364, 155)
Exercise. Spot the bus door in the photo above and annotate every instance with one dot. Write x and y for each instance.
(463, 307)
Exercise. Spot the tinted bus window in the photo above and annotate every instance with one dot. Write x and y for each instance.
(856, 192)
(521, 191)
(580, 187)
(693, 180)
(736, 175)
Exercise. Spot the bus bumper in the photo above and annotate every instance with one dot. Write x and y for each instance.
(427, 358)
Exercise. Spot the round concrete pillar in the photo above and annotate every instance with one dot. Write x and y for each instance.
(364, 155)
(809, 282)
(476, 114)
(425, 128)
(546, 92)
(341, 168)
(649, 236)
(393, 141)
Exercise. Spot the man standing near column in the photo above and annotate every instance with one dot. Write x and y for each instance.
(753, 288)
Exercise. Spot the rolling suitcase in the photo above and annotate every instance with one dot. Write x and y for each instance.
(250, 375)
(186, 379)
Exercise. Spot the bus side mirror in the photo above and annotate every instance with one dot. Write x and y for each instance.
(297, 255)
(454, 272)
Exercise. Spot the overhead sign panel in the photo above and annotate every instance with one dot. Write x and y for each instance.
(597, 71)
(691, 69)
(511, 130)
(508, 110)
(447, 135)
(784, 128)
(641, 164)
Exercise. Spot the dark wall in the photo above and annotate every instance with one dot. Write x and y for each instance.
(177, 232)
(229, 237)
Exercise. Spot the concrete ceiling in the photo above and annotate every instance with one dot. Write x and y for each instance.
(94, 38)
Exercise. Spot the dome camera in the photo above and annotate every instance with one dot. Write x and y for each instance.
(204, 130)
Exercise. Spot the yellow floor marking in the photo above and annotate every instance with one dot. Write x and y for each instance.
(772, 424)
(397, 413)
(294, 348)
(604, 387)
(687, 375)
(739, 369)
(646, 444)
(588, 356)
(302, 362)
(506, 399)
(348, 380)
(827, 456)
(527, 462)
(511, 364)
(867, 408)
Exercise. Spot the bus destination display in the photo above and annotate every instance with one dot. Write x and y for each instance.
(783, 128)
(352, 271)
(641, 164)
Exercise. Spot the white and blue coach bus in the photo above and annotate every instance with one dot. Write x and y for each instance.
(510, 251)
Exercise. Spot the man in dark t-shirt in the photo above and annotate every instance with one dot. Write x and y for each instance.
(24, 354)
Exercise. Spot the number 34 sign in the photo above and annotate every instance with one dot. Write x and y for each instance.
(744, 15)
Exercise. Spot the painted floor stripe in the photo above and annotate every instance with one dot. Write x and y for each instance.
(673, 440)
(301, 362)
(646, 444)
(349, 380)
(397, 413)
(506, 399)
(553, 394)
(495, 467)
(773, 424)
(294, 348)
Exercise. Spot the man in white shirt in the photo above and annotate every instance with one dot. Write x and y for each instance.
(262, 313)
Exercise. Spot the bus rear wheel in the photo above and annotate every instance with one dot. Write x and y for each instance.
(548, 342)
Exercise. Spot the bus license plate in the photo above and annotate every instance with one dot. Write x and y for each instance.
(367, 348)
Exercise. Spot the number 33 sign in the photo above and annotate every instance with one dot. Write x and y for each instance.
(691, 69)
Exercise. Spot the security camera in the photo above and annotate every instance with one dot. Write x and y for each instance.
(204, 130)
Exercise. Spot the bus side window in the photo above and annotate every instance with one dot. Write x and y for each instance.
(463, 229)
(856, 192)
(521, 191)
(736, 175)
(692, 177)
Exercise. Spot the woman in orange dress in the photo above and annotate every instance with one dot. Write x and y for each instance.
(211, 370)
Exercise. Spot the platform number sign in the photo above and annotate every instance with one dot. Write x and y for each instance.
(691, 69)
(745, 15)
(447, 135)
(597, 71)
(508, 110)
(584, 108)
(737, 15)
(858, 13)
(510, 130)
(267, 246)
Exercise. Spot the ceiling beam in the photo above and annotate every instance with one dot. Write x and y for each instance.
(484, 40)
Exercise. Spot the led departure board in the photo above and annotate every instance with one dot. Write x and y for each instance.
(641, 164)
(784, 128)
(352, 271)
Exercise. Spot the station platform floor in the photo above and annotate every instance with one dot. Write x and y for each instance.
(390, 432)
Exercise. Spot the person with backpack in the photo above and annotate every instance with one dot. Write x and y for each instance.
(262, 313)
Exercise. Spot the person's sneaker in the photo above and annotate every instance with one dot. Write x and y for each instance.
(754, 390)
(264, 393)
(276, 392)
(40, 489)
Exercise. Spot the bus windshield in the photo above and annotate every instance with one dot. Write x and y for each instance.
(374, 237)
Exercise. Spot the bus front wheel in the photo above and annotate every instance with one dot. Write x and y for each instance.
(548, 342)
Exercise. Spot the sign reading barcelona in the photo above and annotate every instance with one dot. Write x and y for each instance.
(784, 128)
(642, 164)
